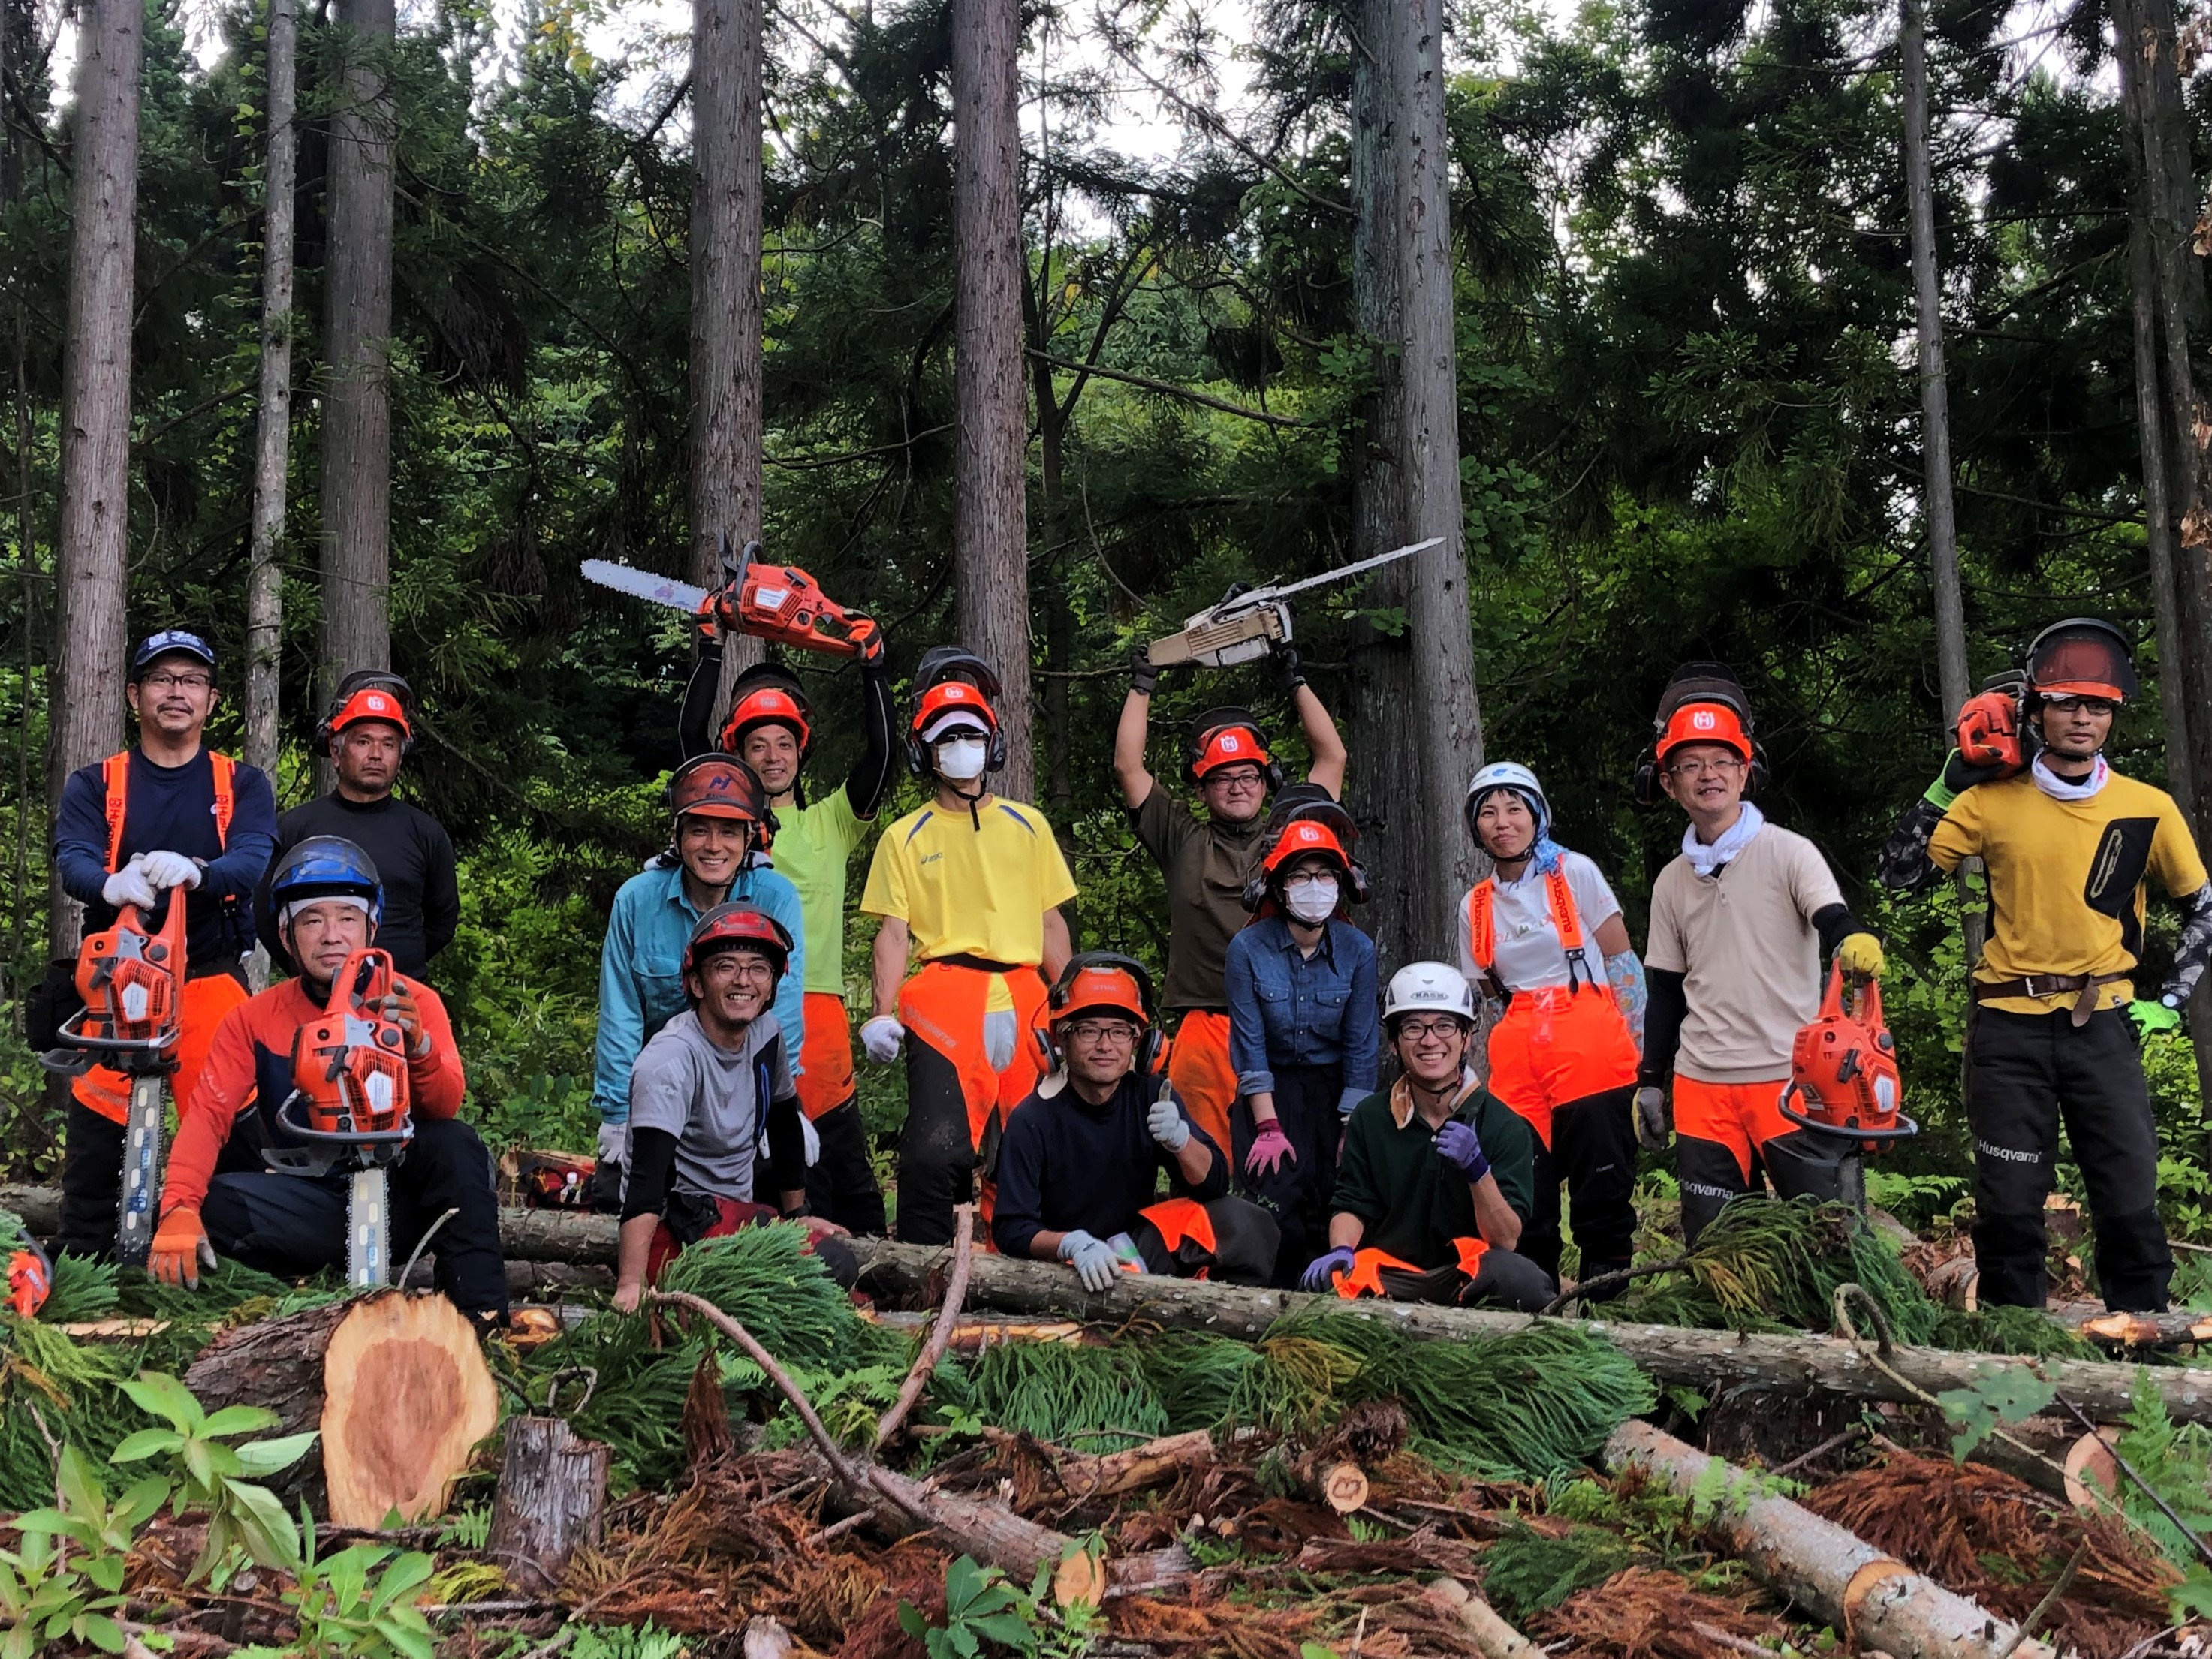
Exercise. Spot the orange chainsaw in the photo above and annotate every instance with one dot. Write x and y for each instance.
(350, 1101)
(1992, 731)
(1844, 1067)
(776, 602)
(131, 979)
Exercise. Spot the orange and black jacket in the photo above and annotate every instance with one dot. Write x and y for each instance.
(231, 1119)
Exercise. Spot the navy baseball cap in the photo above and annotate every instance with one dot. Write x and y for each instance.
(170, 641)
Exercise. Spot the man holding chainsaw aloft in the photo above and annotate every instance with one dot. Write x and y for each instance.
(2053, 1032)
(167, 815)
(723, 829)
(771, 728)
(221, 1196)
(970, 887)
(1740, 922)
(1206, 861)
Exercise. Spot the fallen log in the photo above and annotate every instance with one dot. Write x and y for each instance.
(1672, 1354)
(1086, 1476)
(1875, 1599)
(1495, 1637)
(396, 1383)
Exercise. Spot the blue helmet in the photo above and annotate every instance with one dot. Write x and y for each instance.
(325, 867)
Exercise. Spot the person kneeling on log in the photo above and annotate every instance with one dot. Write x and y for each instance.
(713, 1085)
(1438, 1176)
(220, 1195)
(1083, 1154)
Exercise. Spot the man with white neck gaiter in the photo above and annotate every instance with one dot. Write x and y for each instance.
(2054, 1031)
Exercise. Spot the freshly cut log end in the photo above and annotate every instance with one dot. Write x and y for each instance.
(2092, 1472)
(1344, 1486)
(396, 1383)
(552, 1487)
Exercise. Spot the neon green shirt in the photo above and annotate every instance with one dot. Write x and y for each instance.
(813, 844)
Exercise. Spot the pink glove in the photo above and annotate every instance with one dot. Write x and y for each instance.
(1269, 1148)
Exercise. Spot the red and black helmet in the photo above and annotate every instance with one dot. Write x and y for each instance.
(738, 927)
(722, 787)
(768, 695)
(2082, 657)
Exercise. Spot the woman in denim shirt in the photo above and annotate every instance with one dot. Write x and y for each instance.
(1304, 1033)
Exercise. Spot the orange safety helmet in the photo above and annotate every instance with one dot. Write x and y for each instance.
(738, 927)
(1704, 722)
(721, 787)
(1302, 837)
(1103, 981)
(953, 687)
(1229, 737)
(767, 695)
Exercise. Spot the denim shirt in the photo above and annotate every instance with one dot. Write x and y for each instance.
(1289, 1009)
(640, 970)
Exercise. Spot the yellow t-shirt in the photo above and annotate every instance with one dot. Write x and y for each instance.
(975, 887)
(2066, 878)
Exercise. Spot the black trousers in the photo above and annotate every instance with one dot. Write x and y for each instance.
(291, 1225)
(937, 1156)
(1505, 1279)
(92, 1180)
(841, 1185)
(2026, 1073)
(1297, 1193)
(1594, 1150)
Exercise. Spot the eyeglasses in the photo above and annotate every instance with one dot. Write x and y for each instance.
(730, 965)
(177, 681)
(1697, 769)
(1243, 777)
(1422, 1030)
(2085, 705)
(1102, 1030)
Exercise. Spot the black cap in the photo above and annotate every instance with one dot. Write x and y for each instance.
(169, 642)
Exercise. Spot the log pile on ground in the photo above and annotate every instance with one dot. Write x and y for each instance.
(745, 1465)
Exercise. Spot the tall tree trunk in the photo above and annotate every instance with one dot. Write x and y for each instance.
(1383, 784)
(990, 509)
(264, 581)
(726, 297)
(2150, 86)
(93, 575)
(1937, 513)
(1447, 711)
(357, 460)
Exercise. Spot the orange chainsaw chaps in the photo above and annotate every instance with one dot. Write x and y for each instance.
(350, 1065)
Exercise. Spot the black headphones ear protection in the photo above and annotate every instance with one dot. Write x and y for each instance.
(1697, 682)
(1201, 733)
(361, 680)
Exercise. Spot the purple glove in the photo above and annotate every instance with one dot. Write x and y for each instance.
(1457, 1144)
(1321, 1275)
(1269, 1148)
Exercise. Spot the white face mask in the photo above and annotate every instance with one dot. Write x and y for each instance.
(1310, 898)
(962, 758)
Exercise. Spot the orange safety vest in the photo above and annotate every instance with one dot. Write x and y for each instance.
(115, 772)
(1567, 922)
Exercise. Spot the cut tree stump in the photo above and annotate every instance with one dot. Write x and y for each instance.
(552, 1487)
(1701, 1359)
(396, 1383)
(1875, 1601)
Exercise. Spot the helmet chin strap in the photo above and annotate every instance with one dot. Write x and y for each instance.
(982, 788)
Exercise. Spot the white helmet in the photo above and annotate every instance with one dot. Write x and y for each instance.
(1433, 985)
(1508, 775)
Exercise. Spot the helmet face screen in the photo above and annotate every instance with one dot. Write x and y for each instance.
(2089, 662)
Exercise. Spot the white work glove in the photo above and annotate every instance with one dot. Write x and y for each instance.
(171, 869)
(1093, 1259)
(614, 1145)
(1165, 1125)
(807, 1132)
(129, 885)
(881, 1037)
(999, 1032)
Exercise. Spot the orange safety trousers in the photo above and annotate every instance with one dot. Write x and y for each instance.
(200, 1010)
(1557, 1045)
(943, 1004)
(826, 1056)
(1198, 1065)
(1740, 1117)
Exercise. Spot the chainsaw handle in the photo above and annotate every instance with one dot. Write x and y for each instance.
(72, 1034)
(1903, 1129)
(292, 1124)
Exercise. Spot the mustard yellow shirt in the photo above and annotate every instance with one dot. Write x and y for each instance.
(2066, 878)
(974, 887)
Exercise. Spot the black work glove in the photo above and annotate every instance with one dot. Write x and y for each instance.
(1144, 678)
(1289, 675)
(1959, 775)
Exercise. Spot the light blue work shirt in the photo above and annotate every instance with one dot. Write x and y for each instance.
(641, 971)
